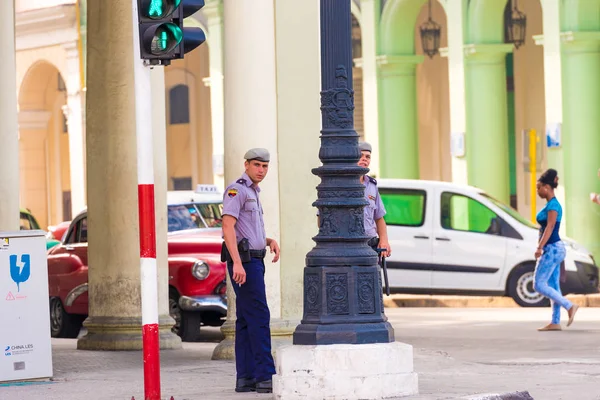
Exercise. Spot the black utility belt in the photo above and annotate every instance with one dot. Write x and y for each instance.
(258, 253)
(246, 254)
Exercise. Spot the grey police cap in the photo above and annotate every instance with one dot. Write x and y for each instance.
(258, 154)
(364, 146)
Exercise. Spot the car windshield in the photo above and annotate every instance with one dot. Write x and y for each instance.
(510, 211)
(194, 216)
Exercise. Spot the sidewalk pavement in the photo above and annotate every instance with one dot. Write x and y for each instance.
(458, 354)
(408, 300)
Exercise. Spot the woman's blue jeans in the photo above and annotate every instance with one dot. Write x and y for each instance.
(547, 278)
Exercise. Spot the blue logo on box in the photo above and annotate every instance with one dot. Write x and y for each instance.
(20, 274)
(7, 351)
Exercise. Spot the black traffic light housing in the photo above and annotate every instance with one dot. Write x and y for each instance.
(162, 35)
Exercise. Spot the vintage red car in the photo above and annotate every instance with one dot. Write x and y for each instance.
(196, 274)
(56, 232)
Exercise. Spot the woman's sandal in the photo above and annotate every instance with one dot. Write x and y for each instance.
(550, 327)
(572, 312)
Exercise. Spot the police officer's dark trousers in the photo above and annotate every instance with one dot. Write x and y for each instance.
(253, 357)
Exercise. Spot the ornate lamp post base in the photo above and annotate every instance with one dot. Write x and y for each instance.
(344, 333)
(343, 305)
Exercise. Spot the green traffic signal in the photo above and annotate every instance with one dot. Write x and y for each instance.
(162, 35)
(158, 9)
(165, 39)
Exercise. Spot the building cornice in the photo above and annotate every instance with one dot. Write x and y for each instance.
(570, 36)
(488, 49)
(45, 27)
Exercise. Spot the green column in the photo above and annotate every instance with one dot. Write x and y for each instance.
(512, 145)
(581, 136)
(487, 127)
(398, 120)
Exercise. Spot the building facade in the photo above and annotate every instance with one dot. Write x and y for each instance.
(51, 86)
(463, 115)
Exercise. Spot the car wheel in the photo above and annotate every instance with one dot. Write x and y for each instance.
(63, 324)
(190, 326)
(520, 288)
(175, 311)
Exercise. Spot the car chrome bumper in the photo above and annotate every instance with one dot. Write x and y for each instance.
(204, 303)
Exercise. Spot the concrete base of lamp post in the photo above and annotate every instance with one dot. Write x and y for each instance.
(345, 371)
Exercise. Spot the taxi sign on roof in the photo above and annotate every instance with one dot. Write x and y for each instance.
(207, 189)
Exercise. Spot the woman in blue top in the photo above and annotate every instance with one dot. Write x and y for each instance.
(551, 252)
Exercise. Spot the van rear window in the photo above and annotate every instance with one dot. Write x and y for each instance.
(404, 207)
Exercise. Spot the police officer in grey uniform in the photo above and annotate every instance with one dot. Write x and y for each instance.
(245, 243)
(375, 225)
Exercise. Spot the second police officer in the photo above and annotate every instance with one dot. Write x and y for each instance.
(375, 225)
(244, 250)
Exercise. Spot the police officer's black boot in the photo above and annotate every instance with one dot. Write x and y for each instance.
(245, 385)
(264, 386)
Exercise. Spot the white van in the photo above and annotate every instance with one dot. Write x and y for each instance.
(451, 239)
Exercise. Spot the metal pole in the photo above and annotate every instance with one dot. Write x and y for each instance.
(343, 301)
(532, 169)
(147, 227)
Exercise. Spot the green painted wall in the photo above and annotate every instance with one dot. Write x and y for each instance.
(398, 119)
(581, 119)
(487, 126)
(512, 149)
(487, 102)
(398, 26)
(397, 88)
(485, 24)
(581, 140)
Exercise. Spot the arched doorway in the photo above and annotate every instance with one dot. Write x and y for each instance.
(413, 95)
(189, 132)
(504, 98)
(44, 145)
(433, 99)
(525, 103)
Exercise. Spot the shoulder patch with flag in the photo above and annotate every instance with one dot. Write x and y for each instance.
(371, 197)
(232, 192)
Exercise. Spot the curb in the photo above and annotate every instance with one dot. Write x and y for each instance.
(407, 300)
(505, 396)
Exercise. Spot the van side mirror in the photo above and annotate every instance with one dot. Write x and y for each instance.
(495, 227)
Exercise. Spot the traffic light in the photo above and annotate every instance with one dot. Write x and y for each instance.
(162, 35)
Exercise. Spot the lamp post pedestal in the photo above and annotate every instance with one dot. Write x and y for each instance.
(345, 371)
(344, 346)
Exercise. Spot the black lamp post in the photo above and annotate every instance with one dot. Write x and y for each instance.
(343, 302)
(516, 24)
(431, 33)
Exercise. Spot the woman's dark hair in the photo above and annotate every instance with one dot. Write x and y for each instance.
(550, 177)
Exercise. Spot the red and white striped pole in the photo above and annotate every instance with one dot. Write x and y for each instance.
(145, 172)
